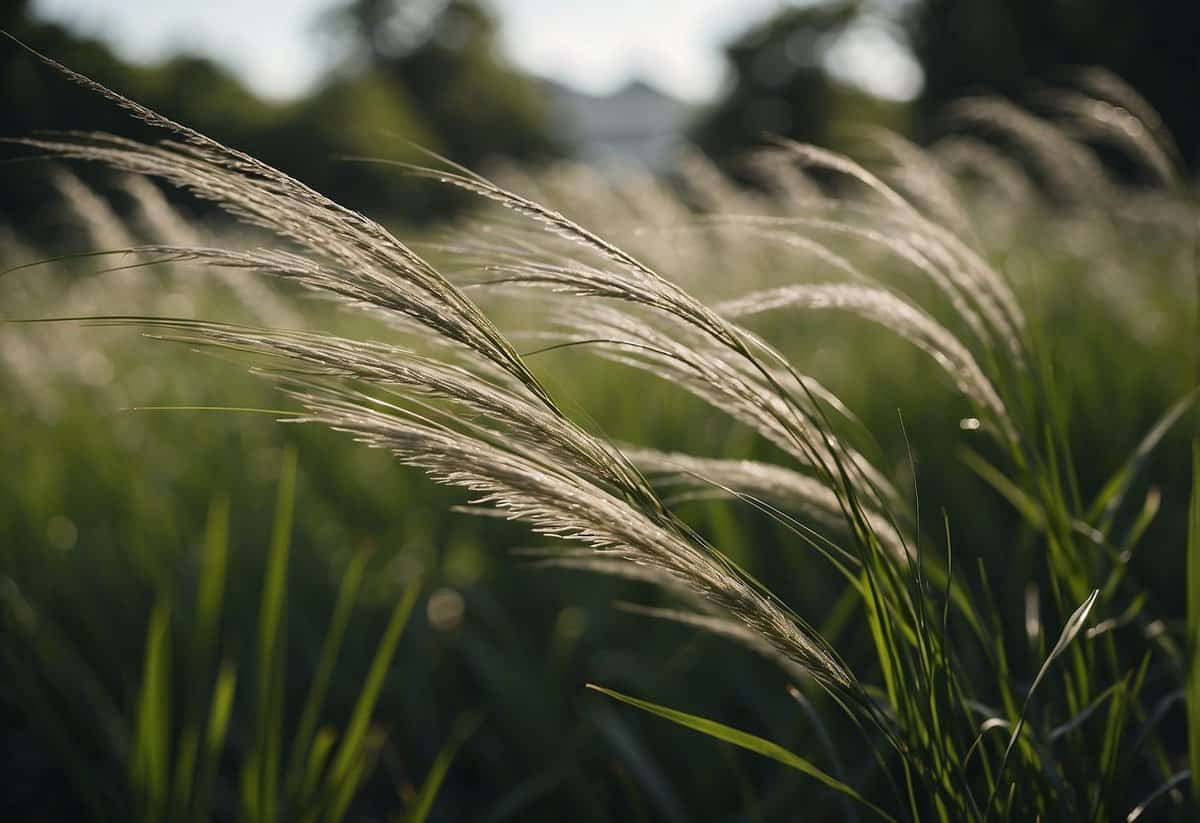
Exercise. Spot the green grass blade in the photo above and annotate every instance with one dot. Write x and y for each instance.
(1193, 621)
(1070, 631)
(1146, 515)
(261, 777)
(1074, 625)
(1175, 779)
(151, 759)
(343, 770)
(1113, 493)
(212, 581)
(330, 648)
(437, 772)
(746, 741)
(214, 561)
(214, 738)
(1029, 509)
(356, 773)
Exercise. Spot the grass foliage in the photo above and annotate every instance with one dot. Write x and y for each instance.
(908, 660)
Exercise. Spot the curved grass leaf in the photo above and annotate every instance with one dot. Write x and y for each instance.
(441, 765)
(1193, 621)
(746, 741)
(1113, 493)
(330, 648)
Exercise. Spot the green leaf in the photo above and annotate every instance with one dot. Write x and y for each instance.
(346, 769)
(1074, 625)
(330, 648)
(261, 775)
(1193, 621)
(746, 741)
(212, 580)
(1029, 509)
(359, 767)
(214, 737)
(423, 803)
(1113, 493)
(151, 759)
(214, 560)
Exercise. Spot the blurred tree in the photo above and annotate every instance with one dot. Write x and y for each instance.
(437, 84)
(780, 84)
(444, 55)
(1008, 46)
(359, 116)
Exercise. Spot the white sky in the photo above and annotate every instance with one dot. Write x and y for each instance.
(594, 45)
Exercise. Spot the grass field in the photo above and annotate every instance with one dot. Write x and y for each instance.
(132, 610)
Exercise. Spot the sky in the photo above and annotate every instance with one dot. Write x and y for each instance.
(594, 45)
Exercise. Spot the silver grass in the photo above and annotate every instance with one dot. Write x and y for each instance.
(533, 479)
(514, 419)
(366, 263)
(1105, 121)
(728, 384)
(556, 502)
(1072, 172)
(710, 188)
(699, 615)
(104, 229)
(896, 314)
(158, 217)
(1104, 85)
(983, 163)
(920, 175)
(469, 411)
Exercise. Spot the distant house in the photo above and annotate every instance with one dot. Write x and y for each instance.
(637, 126)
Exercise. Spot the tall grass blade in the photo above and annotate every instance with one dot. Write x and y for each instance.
(746, 741)
(1074, 625)
(306, 727)
(261, 778)
(1029, 509)
(1113, 493)
(214, 560)
(437, 772)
